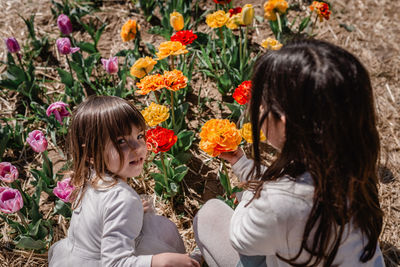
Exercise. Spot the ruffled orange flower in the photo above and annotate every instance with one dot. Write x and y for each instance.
(322, 10)
(142, 67)
(155, 114)
(150, 83)
(174, 80)
(271, 44)
(247, 135)
(129, 30)
(169, 48)
(271, 7)
(219, 136)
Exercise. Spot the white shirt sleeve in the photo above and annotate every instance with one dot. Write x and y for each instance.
(123, 219)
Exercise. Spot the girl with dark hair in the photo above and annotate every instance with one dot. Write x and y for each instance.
(317, 203)
(110, 226)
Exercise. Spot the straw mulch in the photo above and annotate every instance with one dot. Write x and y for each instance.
(374, 38)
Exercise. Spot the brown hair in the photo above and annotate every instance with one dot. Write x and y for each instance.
(96, 121)
(325, 94)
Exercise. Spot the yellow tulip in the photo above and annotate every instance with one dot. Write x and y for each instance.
(169, 48)
(176, 21)
(155, 114)
(142, 67)
(247, 14)
(271, 44)
(217, 19)
(247, 135)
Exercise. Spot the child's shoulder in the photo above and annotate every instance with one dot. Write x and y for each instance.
(110, 191)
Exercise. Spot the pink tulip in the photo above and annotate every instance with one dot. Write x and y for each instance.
(10, 200)
(8, 172)
(64, 24)
(64, 189)
(59, 110)
(110, 65)
(64, 46)
(12, 45)
(37, 141)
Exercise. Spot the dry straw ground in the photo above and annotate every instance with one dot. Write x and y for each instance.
(375, 40)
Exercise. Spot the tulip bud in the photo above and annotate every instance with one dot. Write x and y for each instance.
(37, 141)
(247, 14)
(110, 65)
(64, 46)
(10, 200)
(64, 189)
(8, 172)
(12, 45)
(64, 24)
(176, 21)
(59, 110)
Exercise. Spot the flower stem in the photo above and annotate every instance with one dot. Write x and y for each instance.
(164, 169)
(20, 61)
(172, 109)
(313, 26)
(240, 45)
(246, 33)
(22, 217)
(172, 63)
(221, 35)
(227, 177)
(279, 21)
(156, 96)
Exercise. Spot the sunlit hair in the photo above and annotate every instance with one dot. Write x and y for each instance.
(325, 94)
(95, 122)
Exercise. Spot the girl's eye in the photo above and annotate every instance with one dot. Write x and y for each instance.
(121, 141)
(140, 136)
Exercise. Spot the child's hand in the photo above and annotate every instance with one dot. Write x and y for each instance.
(232, 157)
(173, 260)
(146, 205)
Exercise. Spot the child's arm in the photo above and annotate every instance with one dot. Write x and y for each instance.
(122, 222)
(123, 219)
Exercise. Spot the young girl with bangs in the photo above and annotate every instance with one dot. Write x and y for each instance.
(110, 226)
(317, 203)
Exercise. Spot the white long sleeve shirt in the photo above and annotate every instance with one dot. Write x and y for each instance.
(275, 222)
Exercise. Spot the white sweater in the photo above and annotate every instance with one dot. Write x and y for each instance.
(274, 223)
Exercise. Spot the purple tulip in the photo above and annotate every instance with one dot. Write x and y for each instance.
(12, 45)
(10, 200)
(64, 189)
(59, 110)
(64, 24)
(64, 46)
(37, 141)
(8, 172)
(110, 65)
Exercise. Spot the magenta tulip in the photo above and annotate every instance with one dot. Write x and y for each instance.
(64, 189)
(110, 65)
(8, 172)
(64, 46)
(59, 110)
(64, 24)
(12, 45)
(37, 141)
(10, 200)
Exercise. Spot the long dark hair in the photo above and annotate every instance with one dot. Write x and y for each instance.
(96, 121)
(325, 94)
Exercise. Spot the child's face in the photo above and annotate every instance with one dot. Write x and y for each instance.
(274, 130)
(134, 150)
